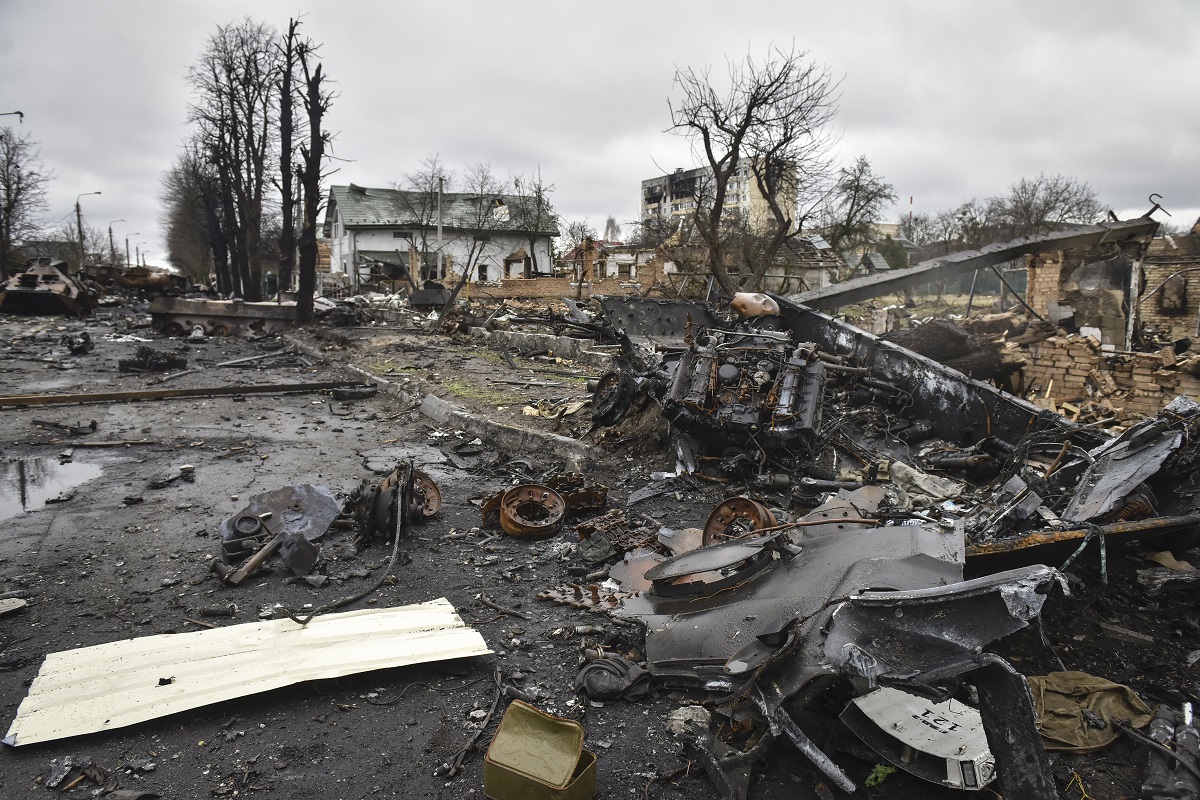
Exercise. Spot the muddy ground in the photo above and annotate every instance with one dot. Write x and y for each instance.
(99, 565)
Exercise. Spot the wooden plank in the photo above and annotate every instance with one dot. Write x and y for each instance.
(24, 400)
(125, 682)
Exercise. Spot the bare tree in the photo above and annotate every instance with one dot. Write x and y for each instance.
(858, 201)
(573, 233)
(652, 231)
(236, 85)
(772, 119)
(62, 243)
(287, 124)
(419, 197)
(316, 99)
(533, 214)
(23, 181)
(918, 228)
(486, 212)
(1041, 204)
(185, 218)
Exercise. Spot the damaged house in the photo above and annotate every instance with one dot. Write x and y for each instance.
(1129, 322)
(393, 235)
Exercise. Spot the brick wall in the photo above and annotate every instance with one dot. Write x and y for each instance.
(648, 276)
(1074, 369)
(1172, 323)
(552, 288)
(1045, 273)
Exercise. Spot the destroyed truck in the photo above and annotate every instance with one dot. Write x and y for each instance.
(869, 478)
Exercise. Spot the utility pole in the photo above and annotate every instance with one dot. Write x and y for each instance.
(79, 228)
(439, 246)
(135, 233)
(112, 247)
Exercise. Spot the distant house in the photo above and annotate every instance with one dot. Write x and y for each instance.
(872, 263)
(390, 235)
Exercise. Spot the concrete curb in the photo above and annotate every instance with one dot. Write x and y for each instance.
(579, 350)
(508, 437)
(499, 434)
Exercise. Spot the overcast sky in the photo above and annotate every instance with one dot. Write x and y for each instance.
(949, 100)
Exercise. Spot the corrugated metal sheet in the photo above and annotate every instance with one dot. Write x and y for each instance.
(122, 683)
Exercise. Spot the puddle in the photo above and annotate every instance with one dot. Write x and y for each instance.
(383, 460)
(26, 484)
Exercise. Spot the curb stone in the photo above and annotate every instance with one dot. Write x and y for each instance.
(499, 434)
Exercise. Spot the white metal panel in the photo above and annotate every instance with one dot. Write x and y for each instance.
(122, 683)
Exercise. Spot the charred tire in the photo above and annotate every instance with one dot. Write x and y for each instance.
(612, 398)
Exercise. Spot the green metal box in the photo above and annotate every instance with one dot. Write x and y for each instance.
(537, 756)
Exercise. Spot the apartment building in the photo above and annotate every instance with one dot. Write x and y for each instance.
(677, 195)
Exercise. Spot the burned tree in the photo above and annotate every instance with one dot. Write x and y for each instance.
(771, 121)
(316, 101)
(23, 182)
(287, 234)
(236, 84)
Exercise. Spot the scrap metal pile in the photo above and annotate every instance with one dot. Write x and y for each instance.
(783, 402)
(862, 478)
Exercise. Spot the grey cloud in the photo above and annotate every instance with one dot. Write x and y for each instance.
(949, 100)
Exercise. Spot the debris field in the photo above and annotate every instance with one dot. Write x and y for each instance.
(736, 552)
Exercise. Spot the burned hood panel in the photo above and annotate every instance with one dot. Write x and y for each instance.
(961, 409)
(645, 319)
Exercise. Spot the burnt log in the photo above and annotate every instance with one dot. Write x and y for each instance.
(944, 341)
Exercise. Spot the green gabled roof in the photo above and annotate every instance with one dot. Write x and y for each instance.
(362, 207)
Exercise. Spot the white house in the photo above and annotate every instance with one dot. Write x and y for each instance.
(394, 232)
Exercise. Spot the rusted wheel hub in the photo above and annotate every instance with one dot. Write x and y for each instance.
(735, 518)
(429, 496)
(531, 510)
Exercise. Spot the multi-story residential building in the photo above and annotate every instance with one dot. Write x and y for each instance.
(677, 194)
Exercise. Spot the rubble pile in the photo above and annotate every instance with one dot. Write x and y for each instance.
(873, 529)
(758, 410)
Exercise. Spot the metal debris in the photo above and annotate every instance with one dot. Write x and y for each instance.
(292, 518)
(376, 507)
(536, 510)
(150, 360)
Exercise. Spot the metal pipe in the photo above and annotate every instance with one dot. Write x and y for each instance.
(1018, 297)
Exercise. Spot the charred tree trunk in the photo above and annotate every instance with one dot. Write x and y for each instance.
(287, 237)
(947, 343)
(316, 103)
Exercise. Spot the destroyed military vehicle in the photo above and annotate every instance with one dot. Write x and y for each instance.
(45, 288)
(870, 478)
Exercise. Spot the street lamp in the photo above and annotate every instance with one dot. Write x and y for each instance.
(112, 248)
(135, 233)
(79, 227)
(137, 254)
(20, 114)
